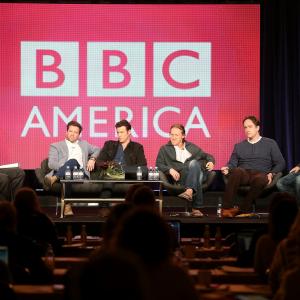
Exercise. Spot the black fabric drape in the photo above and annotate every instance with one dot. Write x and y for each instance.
(280, 80)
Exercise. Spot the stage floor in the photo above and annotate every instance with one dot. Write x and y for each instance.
(91, 216)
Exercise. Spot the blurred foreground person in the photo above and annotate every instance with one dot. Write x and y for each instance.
(114, 275)
(145, 234)
(282, 213)
(24, 258)
(286, 258)
(32, 223)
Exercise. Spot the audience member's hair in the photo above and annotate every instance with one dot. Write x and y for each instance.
(8, 216)
(32, 223)
(143, 196)
(282, 213)
(131, 190)
(114, 275)
(114, 217)
(26, 201)
(146, 234)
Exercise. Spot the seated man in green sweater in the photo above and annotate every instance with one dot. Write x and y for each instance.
(253, 162)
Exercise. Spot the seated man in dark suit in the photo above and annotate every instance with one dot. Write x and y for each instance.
(11, 179)
(253, 162)
(124, 151)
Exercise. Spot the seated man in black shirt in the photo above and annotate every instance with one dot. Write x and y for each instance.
(124, 151)
(253, 162)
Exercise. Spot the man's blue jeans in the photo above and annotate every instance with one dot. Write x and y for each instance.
(194, 176)
(290, 183)
(60, 173)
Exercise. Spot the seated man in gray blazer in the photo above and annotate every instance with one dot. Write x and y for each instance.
(71, 152)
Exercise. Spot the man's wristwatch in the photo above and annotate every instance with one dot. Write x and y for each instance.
(92, 158)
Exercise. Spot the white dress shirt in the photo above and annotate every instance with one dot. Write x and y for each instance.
(75, 152)
(182, 154)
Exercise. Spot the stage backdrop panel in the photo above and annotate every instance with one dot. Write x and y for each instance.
(154, 65)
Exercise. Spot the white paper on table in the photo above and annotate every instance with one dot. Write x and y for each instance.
(14, 165)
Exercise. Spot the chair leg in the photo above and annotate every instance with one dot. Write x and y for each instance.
(187, 208)
(57, 205)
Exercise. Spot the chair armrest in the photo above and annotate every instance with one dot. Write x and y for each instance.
(274, 181)
(209, 180)
(172, 188)
(41, 178)
(267, 188)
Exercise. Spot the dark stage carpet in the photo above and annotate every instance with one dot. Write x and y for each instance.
(91, 215)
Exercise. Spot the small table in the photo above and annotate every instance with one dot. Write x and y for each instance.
(63, 199)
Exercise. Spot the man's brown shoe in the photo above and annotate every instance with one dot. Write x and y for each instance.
(68, 210)
(50, 180)
(230, 212)
(196, 213)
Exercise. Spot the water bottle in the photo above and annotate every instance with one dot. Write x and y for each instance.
(219, 208)
(206, 237)
(75, 173)
(83, 235)
(68, 175)
(80, 174)
(69, 235)
(156, 174)
(139, 173)
(49, 258)
(150, 174)
(218, 239)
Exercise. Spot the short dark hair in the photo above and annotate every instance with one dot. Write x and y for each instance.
(123, 123)
(253, 119)
(178, 126)
(76, 124)
(26, 201)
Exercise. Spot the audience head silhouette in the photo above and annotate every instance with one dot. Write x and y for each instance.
(114, 217)
(282, 213)
(26, 201)
(143, 196)
(146, 234)
(114, 275)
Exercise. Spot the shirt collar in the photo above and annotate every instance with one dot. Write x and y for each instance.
(255, 141)
(70, 143)
(183, 148)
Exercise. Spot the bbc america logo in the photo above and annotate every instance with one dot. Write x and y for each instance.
(116, 69)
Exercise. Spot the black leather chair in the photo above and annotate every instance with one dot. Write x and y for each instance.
(78, 190)
(264, 196)
(175, 189)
